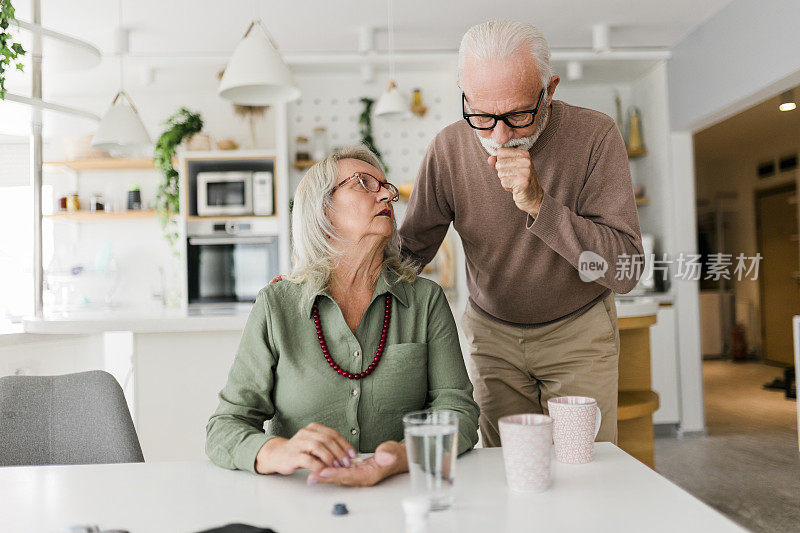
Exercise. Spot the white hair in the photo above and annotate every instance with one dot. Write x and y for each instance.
(499, 39)
(313, 236)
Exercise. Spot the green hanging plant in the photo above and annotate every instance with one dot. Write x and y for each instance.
(365, 121)
(10, 52)
(181, 125)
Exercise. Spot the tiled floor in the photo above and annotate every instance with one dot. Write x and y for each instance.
(748, 465)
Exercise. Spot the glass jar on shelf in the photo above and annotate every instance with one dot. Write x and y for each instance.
(319, 144)
(301, 149)
(73, 203)
(97, 203)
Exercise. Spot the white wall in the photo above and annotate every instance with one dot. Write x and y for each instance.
(745, 53)
(687, 300)
(649, 94)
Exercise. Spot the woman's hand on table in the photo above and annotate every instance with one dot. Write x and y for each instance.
(315, 447)
(389, 459)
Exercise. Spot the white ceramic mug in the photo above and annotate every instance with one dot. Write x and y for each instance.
(527, 440)
(576, 422)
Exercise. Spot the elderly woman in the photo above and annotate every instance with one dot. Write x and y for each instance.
(334, 355)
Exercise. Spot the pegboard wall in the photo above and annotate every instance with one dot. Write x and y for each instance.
(333, 101)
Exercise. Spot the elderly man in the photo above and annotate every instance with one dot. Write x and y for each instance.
(540, 193)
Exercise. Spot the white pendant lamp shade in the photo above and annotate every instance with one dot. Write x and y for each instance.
(392, 104)
(256, 73)
(121, 128)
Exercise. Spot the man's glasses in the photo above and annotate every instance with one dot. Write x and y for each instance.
(371, 184)
(486, 121)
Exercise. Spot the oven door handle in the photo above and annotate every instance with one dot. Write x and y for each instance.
(203, 241)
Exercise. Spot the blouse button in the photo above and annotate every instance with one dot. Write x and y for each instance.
(356, 354)
(355, 392)
(353, 431)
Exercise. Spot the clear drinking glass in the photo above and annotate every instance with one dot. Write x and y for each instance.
(431, 439)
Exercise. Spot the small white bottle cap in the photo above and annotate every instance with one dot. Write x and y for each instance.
(416, 509)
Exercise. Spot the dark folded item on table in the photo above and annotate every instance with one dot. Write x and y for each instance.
(238, 528)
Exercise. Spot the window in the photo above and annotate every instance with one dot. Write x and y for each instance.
(16, 233)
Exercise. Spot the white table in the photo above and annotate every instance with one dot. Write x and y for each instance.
(614, 493)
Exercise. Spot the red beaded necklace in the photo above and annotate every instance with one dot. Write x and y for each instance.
(387, 314)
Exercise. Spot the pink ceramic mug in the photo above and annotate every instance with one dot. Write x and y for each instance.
(527, 440)
(576, 422)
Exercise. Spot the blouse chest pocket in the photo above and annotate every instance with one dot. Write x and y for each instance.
(400, 381)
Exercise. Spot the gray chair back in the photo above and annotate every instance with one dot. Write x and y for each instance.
(70, 419)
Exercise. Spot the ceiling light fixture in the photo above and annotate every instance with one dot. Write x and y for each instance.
(574, 70)
(121, 131)
(256, 73)
(787, 101)
(392, 104)
(601, 42)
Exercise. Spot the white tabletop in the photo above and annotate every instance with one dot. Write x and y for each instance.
(614, 493)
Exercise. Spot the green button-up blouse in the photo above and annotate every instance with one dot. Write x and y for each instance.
(280, 375)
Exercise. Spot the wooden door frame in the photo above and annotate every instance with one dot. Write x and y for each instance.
(757, 195)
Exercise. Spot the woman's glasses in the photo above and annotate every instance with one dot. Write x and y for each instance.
(371, 184)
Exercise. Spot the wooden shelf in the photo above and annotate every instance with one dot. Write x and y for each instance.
(642, 200)
(636, 322)
(102, 163)
(103, 215)
(304, 164)
(636, 404)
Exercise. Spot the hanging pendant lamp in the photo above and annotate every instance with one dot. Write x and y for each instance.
(256, 73)
(121, 131)
(392, 104)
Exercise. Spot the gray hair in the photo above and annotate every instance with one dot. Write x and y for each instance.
(499, 39)
(313, 236)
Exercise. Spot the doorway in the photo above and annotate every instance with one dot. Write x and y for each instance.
(777, 232)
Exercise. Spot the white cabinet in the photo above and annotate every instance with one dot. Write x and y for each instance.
(664, 365)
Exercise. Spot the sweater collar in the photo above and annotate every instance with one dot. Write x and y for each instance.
(556, 112)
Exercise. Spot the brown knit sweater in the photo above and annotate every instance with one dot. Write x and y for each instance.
(520, 270)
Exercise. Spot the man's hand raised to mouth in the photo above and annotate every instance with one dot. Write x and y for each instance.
(517, 176)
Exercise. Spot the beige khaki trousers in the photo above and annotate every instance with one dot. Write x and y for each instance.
(516, 370)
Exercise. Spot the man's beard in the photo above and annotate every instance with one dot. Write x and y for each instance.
(524, 143)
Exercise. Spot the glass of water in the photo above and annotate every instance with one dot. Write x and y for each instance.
(431, 439)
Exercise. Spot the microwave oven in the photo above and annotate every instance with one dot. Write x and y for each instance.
(235, 193)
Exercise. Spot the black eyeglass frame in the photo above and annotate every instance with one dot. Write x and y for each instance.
(504, 117)
(384, 184)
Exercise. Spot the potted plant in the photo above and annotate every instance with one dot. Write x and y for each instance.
(180, 126)
(10, 52)
(365, 121)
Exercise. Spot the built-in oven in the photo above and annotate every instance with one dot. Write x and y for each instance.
(229, 262)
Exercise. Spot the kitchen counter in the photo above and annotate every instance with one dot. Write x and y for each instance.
(632, 307)
(158, 319)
